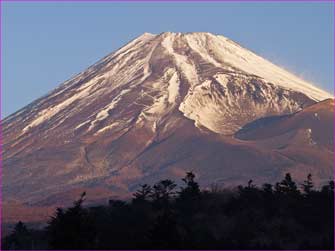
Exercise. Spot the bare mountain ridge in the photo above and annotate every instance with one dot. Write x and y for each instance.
(162, 105)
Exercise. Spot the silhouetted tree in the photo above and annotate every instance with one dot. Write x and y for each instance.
(329, 188)
(331, 185)
(287, 186)
(142, 194)
(250, 185)
(21, 237)
(191, 190)
(267, 188)
(72, 228)
(20, 228)
(308, 185)
(162, 192)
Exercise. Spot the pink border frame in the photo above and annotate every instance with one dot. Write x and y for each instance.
(190, 1)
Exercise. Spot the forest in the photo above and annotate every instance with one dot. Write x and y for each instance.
(286, 215)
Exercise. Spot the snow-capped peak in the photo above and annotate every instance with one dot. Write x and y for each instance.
(209, 78)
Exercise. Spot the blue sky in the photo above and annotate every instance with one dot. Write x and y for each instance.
(44, 44)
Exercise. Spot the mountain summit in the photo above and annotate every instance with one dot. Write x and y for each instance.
(162, 105)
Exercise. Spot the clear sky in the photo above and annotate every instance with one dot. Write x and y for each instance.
(44, 44)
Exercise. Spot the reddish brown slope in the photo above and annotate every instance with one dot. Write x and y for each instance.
(305, 138)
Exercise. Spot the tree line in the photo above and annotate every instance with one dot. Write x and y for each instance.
(164, 216)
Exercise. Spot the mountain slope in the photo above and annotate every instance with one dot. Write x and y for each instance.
(159, 106)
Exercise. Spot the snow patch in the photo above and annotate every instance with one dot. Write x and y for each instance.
(106, 128)
(198, 42)
(82, 124)
(222, 79)
(186, 67)
(48, 113)
(104, 113)
(309, 136)
(173, 88)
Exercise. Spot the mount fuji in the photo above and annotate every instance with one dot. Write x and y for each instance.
(158, 107)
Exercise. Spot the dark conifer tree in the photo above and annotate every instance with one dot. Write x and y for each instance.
(308, 185)
(21, 237)
(163, 192)
(72, 228)
(287, 186)
(143, 193)
(191, 190)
